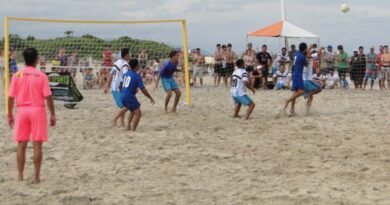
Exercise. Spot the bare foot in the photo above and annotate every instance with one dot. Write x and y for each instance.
(174, 110)
(166, 111)
(113, 123)
(123, 124)
(36, 180)
(237, 116)
(292, 113)
(20, 177)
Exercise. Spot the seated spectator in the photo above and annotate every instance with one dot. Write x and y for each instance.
(89, 79)
(256, 78)
(280, 78)
(331, 80)
(102, 77)
(319, 78)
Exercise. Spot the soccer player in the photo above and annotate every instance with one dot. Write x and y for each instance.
(131, 82)
(169, 84)
(30, 88)
(298, 86)
(240, 82)
(115, 80)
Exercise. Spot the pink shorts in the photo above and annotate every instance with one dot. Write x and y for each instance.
(30, 121)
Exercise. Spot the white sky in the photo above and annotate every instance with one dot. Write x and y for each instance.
(213, 21)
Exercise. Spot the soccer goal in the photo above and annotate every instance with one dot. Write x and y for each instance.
(86, 49)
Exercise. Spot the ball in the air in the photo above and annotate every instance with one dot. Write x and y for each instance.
(345, 8)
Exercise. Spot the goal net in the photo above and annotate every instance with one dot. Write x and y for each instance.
(87, 49)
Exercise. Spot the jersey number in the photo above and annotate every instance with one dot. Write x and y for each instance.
(126, 81)
(234, 82)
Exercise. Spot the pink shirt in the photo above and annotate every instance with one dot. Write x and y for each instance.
(30, 87)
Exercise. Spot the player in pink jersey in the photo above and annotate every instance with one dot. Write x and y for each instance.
(29, 89)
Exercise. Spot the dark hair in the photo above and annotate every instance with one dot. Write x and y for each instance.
(264, 46)
(172, 54)
(133, 63)
(284, 48)
(223, 46)
(124, 52)
(340, 47)
(229, 45)
(156, 59)
(314, 45)
(360, 47)
(240, 63)
(30, 56)
(293, 46)
(218, 45)
(302, 47)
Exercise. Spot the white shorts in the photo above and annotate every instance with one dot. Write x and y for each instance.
(385, 72)
(198, 71)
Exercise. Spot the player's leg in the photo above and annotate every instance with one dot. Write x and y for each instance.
(293, 97)
(177, 98)
(21, 158)
(251, 107)
(37, 160)
(167, 99)
(237, 109)
(120, 115)
(137, 117)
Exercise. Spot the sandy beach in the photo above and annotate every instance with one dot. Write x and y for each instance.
(338, 154)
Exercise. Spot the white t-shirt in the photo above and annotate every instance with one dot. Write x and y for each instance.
(308, 71)
(281, 59)
(119, 68)
(156, 67)
(331, 80)
(316, 77)
(238, 82)
(281, 78)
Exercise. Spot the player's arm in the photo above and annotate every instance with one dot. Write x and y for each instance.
(249, 86)
(10, 116)
(50, 105)
(146, 93)
(157, 81)
(108, 83)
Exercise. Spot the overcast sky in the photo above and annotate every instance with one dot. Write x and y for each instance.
(212, 21)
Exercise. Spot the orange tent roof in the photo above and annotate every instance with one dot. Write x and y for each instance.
(273, 30)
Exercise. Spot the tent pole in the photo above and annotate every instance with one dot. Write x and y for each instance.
(283, 10)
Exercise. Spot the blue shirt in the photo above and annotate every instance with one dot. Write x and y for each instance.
(13, 66)
(299, 62)
(168, 69)
(131, 82)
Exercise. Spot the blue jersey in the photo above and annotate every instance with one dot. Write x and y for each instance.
(168, 69)
(300, 61)
(131, 82)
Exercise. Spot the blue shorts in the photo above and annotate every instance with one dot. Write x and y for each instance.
(169, 84)
(310, 86)
(244, 100)
(280, 86)
(117, 98)
(371, 74)
(131, 103)
(297, 84)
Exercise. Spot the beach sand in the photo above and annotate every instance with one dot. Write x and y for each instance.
(338, 154)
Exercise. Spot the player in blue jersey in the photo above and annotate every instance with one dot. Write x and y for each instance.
(168, 82)
(132, 81)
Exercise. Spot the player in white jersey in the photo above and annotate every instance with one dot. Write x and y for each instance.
(120, 67)
(240, 81)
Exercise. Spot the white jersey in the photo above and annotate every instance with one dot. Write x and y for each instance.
(281, 78)
(331, 80)
(281, 59)
(119, 68)
(238, 82)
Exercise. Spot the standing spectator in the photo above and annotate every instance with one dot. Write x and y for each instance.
(371, 68)
(74, 62)
(42, 63)
(249, 57)
(89, 79)
(1, 63)
(63, 59)
(342, 62)
(230, 57)
(291, 55)
(315, 57)
(282, 59)
(198, 61)
(264, 59)
(142, 58)
(385, 60)
(218, 58)
(13, 63)
(107, 57)
(361, 67)
(380, 75)
(328, 59)
(155, 68)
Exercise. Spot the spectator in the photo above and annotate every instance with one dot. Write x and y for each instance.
(89, 79)
(249, 57)
(257, 77)
(107, 57)
(155, 69)
(319, 78)
(264, 59)
(315, 57)
(328, 59)
(331, 79)
(198, 62)
(380, 75)
(371, 68)
(63, 59)
(291, 55)
(13, 63)
(142, 58)
(74, 62)
(218, 58)
(42, 63)
(385, 60)
(102, 77)
(282, 59)
(342, 62)
(280, 78)
(1, 63)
